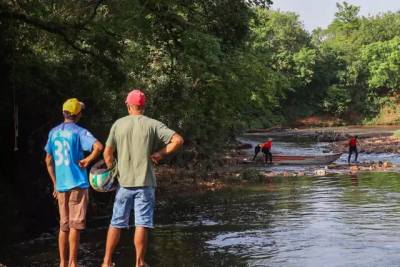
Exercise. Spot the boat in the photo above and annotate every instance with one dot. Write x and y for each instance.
(305, 160)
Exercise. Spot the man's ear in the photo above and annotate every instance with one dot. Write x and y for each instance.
(78, 117)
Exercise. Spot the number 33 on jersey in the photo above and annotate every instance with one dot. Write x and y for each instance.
(66, 144)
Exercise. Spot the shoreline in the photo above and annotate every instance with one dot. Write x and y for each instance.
(174, 182)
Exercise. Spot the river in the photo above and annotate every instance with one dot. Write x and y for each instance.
(305, 221)
(304, 143)
(334, 220)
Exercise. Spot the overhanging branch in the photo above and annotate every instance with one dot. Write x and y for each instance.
(58, 29)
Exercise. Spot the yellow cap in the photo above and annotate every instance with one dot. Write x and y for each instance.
(73, 106)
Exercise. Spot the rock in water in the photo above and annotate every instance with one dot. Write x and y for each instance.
(334, 166)
(320, 172)
(387, 164)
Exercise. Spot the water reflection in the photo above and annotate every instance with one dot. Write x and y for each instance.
(321, 221)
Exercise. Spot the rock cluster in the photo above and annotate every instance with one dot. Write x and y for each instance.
(332, 169)
(331, 136)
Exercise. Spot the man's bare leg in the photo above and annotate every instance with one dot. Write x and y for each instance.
(63, 245)
(112, 241)
(74, 236)
(141, 234)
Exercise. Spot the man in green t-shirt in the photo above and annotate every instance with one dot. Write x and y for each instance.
(135, 138)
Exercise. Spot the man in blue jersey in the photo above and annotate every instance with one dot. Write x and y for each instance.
(67, 165)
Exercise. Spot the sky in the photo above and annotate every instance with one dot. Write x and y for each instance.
(320, 13)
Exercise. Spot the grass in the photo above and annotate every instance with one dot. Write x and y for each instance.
(396, 133)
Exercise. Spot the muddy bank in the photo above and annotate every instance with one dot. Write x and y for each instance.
(385, 144)
(183, 182)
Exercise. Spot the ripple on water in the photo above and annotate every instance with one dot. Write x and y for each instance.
(250, 243)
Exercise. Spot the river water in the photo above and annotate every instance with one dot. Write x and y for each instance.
(303, 143)
(335, 220)
(306, 221)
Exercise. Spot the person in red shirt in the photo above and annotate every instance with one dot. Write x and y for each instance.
(353, 147)
(266, 150)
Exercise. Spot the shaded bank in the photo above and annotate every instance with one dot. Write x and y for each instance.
(28, 208)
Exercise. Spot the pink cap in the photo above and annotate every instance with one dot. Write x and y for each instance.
(136, 98)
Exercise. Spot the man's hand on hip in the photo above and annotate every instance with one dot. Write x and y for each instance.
(174, 144)
(83, 163)
(156, 157)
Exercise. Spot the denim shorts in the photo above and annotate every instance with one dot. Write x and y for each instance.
(142, 198)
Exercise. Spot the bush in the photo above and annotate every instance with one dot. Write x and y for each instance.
(337, 100)
(396, 133)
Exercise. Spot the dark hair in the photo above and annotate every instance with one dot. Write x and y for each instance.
(68, 115)
(356, 136)
(134, 107)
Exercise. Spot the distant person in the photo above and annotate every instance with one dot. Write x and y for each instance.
(257, 150)
(135, 138)
(67, 165)
(353, 148)
(266, 150)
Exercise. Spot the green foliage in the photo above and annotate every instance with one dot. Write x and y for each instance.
(209, 68)
(396, 133)
(357, 63)
(383, 63)
(346, 13)
(195, 60)
(337, 100)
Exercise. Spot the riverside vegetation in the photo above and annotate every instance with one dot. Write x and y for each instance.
(209, 68)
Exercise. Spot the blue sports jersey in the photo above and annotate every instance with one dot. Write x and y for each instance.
(66, 144)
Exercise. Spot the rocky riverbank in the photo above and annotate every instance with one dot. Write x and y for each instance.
(182, 182)
(385, 144)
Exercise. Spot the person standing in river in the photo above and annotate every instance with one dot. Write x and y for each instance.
(352, 144)
(67, 169)
(135, 138)
(266, 150)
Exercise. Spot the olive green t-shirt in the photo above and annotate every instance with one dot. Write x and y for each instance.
(135, 138)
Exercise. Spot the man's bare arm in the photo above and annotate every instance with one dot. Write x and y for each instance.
(109, 156)
(50, 170)
(97, 148)
(173, 145)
